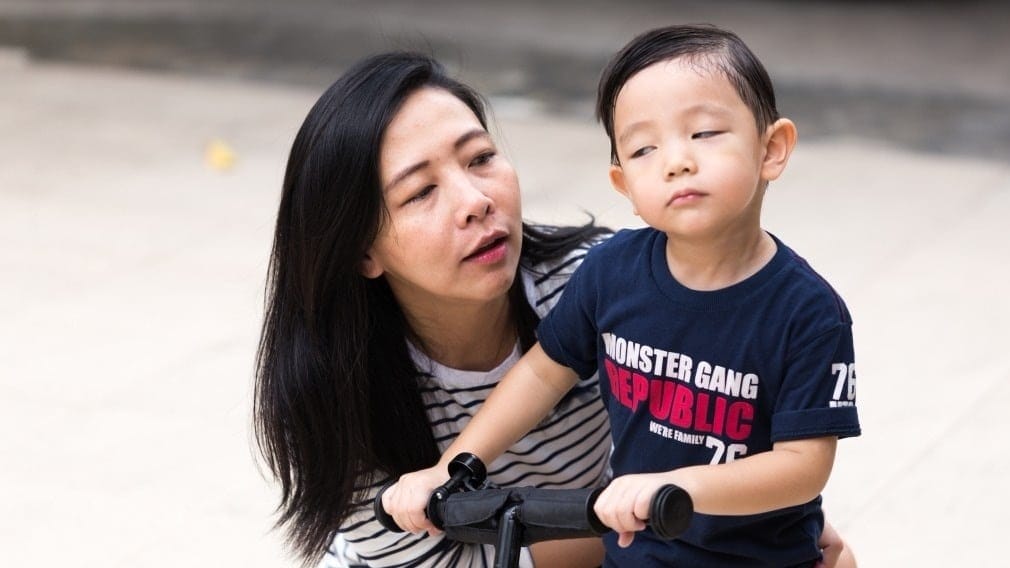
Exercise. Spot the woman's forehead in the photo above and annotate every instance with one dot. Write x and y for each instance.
(431, 123)
(429, 106)
(428, 117)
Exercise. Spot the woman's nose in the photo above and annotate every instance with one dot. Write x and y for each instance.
(474, 203)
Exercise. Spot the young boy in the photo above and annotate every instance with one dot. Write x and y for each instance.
(726, 362)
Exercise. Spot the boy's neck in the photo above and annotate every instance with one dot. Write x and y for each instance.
(720, 262)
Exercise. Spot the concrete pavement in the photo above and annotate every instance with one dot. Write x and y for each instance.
(132, 288)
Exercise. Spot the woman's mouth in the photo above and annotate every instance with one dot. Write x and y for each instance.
(489, 253)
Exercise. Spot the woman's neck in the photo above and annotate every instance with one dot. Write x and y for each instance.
(469, 337)
(719, 262)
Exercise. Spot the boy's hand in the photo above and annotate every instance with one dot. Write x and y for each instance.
(407, 499)
(624, 505)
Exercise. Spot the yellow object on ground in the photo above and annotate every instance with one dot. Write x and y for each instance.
(219, 155)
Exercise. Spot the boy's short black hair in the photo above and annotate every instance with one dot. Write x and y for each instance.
(721, 47)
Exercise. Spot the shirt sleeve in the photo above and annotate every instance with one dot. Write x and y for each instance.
(362, 541)
(818, 393)
(568, 333)
(545, 282)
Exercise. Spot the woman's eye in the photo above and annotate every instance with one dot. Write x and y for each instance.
(642, 151)
(482, 159)
(705, 134)
(425, 192)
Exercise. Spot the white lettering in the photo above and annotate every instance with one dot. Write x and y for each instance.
(631, 358)
(657, 428)
(620, 350)
(684, 372)
(750, 386)
(645, 361)
(703, 375)
(718, 383)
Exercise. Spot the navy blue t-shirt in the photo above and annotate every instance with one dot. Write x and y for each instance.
(692, 378)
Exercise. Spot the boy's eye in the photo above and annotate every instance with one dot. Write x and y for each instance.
(425, 192)
(642, 151)
(705, 134)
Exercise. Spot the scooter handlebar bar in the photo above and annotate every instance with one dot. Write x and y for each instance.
(546, 514)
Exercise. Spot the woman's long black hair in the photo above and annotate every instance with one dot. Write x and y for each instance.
(336, 398)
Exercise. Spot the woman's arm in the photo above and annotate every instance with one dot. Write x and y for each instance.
(523, 398)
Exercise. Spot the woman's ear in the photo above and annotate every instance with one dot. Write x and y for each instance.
(370, 268)
(779, 141)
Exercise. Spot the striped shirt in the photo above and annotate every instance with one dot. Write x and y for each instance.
(568, 449)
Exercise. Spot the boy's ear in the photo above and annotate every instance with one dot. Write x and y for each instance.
(370, 268)
(780, 139)
(620, 184)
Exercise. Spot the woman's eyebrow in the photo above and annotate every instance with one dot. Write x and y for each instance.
(459, 143)
(470, 135)
(405, 173)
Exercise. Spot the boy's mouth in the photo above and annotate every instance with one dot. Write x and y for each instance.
(685, 196)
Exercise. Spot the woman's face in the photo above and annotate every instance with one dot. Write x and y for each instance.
(454, 226)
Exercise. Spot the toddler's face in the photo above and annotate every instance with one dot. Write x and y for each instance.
(689, 150)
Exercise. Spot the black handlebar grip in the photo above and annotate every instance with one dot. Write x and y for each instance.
(381, 515)
(671, 511)
(465, 471)
(551, 514)
(467, 468)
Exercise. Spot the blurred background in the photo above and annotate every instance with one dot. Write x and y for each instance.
(142, 146)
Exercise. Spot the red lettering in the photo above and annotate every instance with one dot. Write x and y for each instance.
(639, 390)
(661, 398)
(739, 419)
(624, 382)
(683, 400)
(702, 412)
(701, 423)
(719, 418)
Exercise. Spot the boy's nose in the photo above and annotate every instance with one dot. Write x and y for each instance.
(678, 162)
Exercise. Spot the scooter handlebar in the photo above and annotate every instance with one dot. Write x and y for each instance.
(465, 471)
(546, 514)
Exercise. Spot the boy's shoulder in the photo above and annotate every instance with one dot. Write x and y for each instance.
(544, 281)
(625, 244)
(807, 289)
(627, 252)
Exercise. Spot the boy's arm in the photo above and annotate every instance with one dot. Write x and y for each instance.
(792, 473)
(527, 393)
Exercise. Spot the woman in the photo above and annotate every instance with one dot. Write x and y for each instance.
(394, 306)
(402, 285)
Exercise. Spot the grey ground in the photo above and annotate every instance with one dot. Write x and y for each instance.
(132, 273)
